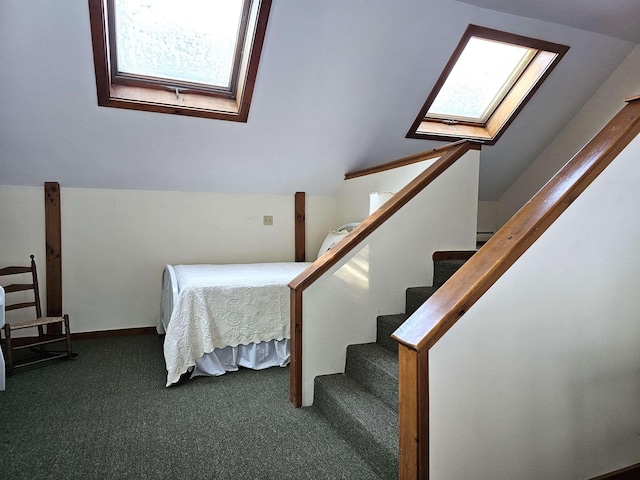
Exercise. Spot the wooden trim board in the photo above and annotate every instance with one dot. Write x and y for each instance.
(53, 240)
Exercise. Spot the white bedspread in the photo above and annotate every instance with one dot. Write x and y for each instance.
(226, 305)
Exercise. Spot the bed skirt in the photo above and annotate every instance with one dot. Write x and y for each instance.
(257, 356)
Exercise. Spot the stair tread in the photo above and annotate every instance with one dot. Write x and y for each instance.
(421, 289)
(395, 316)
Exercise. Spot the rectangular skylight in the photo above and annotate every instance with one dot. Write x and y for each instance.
(189, 41)
(479, 80)
(179, 57)
(488, 80)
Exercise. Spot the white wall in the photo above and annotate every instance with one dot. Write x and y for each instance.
(487, 216)
(341, 307)
(21, 225)
(353, 197)
(22, 233)
(115, 243)
(541, 377)
(596, 113)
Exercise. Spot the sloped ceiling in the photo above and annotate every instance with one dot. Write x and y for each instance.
(619, 18)
(339, 84)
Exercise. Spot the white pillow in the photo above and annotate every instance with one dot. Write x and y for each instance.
(331, 240)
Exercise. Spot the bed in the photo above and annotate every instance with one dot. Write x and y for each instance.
(217, 318)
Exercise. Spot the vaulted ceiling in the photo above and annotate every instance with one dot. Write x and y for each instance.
(339, 84)
(619, 19)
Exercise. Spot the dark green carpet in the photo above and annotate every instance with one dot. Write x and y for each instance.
(107, 415)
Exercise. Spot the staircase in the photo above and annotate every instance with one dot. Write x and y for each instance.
(362, 403)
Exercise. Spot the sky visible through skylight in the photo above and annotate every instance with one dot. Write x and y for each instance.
(480, 75)
(186, 40)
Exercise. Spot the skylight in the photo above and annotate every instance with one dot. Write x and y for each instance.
(184, 57)
(480, 79)
(185, 42)
(486, 83)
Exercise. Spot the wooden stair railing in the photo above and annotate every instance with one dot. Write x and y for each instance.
(448, 154)
(436, 316)
(418, 157)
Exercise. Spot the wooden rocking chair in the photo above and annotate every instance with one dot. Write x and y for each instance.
(39, 353)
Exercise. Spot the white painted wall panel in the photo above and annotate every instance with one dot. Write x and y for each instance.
(22, 234)
(342, 306)
(541, 377)
(353, 198)
(115, 243)
(608, 100)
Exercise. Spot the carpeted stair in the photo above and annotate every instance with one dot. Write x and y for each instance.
(362, 403)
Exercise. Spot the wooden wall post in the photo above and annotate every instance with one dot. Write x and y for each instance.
(53, 238)
(299, 227)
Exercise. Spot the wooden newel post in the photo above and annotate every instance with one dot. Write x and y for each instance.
(299, 226)
(413, 413)
(53, 239)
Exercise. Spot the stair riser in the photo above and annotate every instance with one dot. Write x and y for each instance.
(386, 325)
(442, 271)
(380, 383)
(415, 297)
(382, 460)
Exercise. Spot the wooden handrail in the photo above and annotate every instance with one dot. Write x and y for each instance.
(372, 222)
(447, 158)
(418, 157)
(450, 302)
(434, 318)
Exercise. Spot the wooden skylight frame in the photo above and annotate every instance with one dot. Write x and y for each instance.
(546, 57)
(151, 95)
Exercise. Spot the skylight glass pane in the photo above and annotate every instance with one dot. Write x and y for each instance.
(480, 76)
(185, 40)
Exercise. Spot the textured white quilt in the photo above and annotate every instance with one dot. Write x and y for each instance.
(226, 305)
